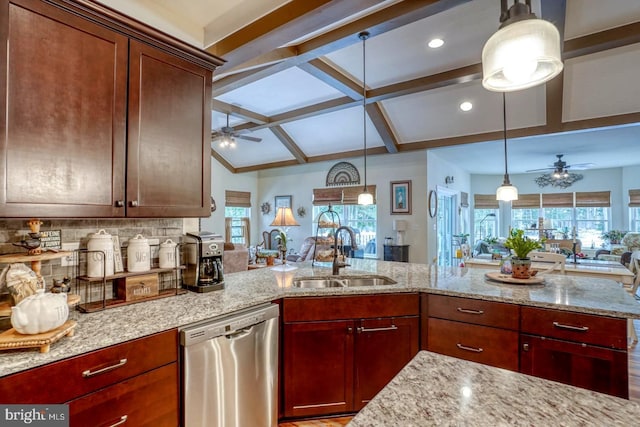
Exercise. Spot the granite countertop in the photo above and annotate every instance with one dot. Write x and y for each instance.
(250, 288)
(438, 390)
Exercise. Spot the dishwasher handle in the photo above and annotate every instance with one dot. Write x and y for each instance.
(240, 333)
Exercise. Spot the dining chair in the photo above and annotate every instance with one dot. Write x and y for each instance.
(558, 260)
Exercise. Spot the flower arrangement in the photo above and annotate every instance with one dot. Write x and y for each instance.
(613, 236)
(521, 244)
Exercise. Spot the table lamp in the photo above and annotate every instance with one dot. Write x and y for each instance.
(399, 226)
(284, 219)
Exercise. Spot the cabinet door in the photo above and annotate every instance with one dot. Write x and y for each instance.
(318, 368)
(63, 114)
(169, 138)
(594, 368)
(382, 348)
(150, 399)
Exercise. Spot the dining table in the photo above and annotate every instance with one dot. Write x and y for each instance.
(591, 268)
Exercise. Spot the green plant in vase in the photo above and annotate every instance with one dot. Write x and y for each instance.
(521, 246)
(613, 236)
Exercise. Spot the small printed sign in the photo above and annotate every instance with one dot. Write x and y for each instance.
(51, 239)
(34, 415)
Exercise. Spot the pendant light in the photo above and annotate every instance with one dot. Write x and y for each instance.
(506, 192)
(364, 198)
(523, 53)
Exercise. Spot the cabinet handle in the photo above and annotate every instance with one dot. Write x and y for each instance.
(133, 203)
(88, 373)
(123, 419)
(389, 328)
(349, 330)
(468, 311)
(571, 328)
(119, 203)
(473, 349)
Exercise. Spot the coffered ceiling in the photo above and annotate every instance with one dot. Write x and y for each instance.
(294, 79)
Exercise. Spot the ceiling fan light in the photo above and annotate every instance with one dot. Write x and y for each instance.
(507, 192)
(521, 55)
(365, 198)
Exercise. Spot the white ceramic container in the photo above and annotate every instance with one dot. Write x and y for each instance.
(40, 312)
(167, 254)
(100, 256)
(138, 254)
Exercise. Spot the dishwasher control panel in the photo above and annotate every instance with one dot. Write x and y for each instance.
(228, 324)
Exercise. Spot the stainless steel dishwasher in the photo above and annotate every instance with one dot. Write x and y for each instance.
(230, 370)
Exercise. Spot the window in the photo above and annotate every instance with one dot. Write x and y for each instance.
(634, 210)
(525, 213)
(485, 224)
(237, 212)
(362, 219)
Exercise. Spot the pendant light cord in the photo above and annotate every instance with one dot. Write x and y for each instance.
(364, 36)
(504, 121)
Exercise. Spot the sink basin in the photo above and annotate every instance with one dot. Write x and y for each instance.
(342, 281)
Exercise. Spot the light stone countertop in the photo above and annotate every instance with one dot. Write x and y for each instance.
(438, 390)
(254, 287)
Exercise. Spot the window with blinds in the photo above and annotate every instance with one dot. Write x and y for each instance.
(485, 201)
(340, 195)
(237, 212)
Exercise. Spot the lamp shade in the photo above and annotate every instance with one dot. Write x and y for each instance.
(520, 55)
(399, 225)
(284, 218)
(365, 198)
(507, 193)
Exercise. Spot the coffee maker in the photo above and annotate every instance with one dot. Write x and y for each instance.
(203, 252)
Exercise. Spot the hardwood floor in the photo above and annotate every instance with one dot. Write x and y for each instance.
(327, 422)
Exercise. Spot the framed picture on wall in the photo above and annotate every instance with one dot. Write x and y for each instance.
(282, 202)
(401, 197)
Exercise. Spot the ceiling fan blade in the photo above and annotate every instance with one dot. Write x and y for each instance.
(539, 170)
(581, 166)
(247, 137)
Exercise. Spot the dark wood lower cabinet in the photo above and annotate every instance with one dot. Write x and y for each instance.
(595, 368)
(150, 399)
(334, 366)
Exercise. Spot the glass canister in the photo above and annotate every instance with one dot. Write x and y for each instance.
(100, 256)
(138, 254)
(167, 254)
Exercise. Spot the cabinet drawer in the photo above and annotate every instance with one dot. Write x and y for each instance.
(150, 399)
(582, 328)
(86, 373)
(478, 312)
(350, 307)
(482, 344)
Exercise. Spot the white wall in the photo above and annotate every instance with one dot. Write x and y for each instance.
(222, 180)
(299, 181)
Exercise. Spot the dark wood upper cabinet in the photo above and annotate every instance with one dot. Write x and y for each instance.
(98, 123)
(169, 138)
(63, 120)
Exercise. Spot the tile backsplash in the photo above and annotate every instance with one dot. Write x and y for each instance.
(73, 230)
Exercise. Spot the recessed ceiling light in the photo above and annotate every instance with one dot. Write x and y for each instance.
(435, 43)
(466, 106)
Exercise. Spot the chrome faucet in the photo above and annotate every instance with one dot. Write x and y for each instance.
(337, 265)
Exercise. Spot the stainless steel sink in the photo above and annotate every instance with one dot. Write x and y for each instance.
(342, 281)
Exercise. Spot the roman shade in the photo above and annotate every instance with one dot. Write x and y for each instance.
(526, 201)
(340, 195)
(239, 199)
(634, 198)
(485, 201)
(593, 199)
(557, 200)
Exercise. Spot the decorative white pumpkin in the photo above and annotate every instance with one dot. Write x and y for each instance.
(40, 312)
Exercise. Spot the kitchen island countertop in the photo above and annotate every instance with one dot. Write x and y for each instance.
(438, 390)
(250, 288)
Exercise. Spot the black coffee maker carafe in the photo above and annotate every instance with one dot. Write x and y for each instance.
(204, 268)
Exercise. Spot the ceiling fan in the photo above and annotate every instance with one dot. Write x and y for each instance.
(560, 168)
(227, 136)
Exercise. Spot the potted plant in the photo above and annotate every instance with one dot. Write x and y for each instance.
(282, 245)
(521, 246)
(613, 236)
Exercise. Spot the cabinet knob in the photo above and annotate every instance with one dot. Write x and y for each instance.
(349, 330)
(133, 203)
(119, 203)
(525, 347)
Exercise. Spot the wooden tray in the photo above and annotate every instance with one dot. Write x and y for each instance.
(507, 278)
(11, 339)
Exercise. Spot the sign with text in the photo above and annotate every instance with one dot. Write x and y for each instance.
(50, 239)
